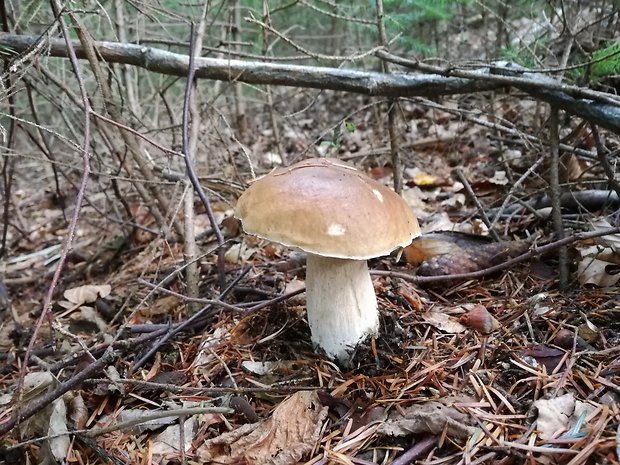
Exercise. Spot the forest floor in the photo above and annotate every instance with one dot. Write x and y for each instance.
(233, 376)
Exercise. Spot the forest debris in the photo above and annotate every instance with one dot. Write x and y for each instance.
(448, 252)
(499, 178)
(600, 269)
(87, 320)
(542, 354)
(87, 294)
(130, 415)
(610, 240)
(428, 417)
(479, 318)
(559, 414)
(443, 322)
(239, 253)
(283, 439)
(540, 303)
(265, 368)
(423, 179)
(167, 442)
(49, 421)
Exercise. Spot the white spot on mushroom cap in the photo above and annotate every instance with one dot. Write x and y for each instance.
(336, 229)
(378, 195)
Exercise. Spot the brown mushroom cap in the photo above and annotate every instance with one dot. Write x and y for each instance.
(327, 207)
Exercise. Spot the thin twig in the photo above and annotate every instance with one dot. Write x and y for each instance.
(190, 144)
(397, 164)
(554, 194)
(98, 349)
(476, 202)
(319, 56)
(191, 172)
(122, 425)
(47, 304)
(198, 316)
(211, 390)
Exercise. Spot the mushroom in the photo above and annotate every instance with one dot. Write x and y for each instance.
(341, 218)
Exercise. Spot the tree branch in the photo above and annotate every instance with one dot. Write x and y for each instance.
(596, 107)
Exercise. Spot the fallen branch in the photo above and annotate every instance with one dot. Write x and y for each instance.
(597, 107)
(592, 199)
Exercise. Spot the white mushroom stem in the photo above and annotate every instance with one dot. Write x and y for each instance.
(341, 303)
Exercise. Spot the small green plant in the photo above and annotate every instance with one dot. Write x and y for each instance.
(336, 139)
(519, 55)
(414, 19)
(606, 62)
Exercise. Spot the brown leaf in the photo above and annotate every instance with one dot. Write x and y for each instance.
(283, 439)
(87, 294)
(429, 417)
(443, 322)
(543, 354)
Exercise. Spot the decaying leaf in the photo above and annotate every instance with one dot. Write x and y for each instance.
(597, 267)
(87, 320)
(558, 415)
(542, 354)
(50, 421)
(283, 439)
(611, 240)
(444, 322)
(57, 446)
(168, 441)
(239, 253)
(87, 294)
(429, 417)
(78, 412)
(423, 179)
(265, 368)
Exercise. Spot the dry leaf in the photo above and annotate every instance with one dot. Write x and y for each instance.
(611, 240)
(50, 421)
(420, 178)
(283, 439)
(444, 322)
(167, 442)
(87, 320)
(554, 415)
(429, 417)
(592, 269)
(451, 252)
(87, 294)
(570, 168)
(57, 446)
(542, 354)
(239, 253)
(78, 412)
